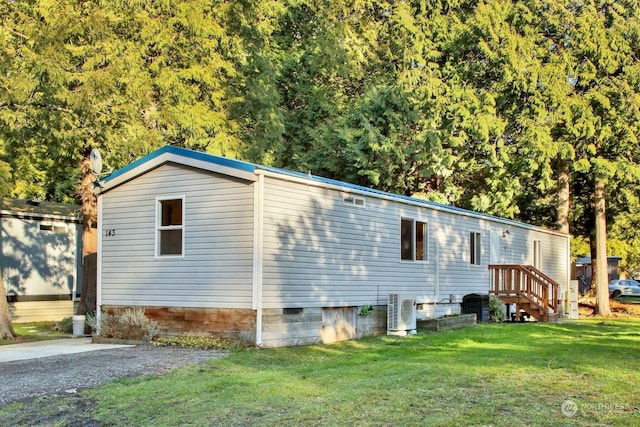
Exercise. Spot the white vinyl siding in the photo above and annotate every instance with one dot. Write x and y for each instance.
(456, 275)
(217, 267)
(320, 253)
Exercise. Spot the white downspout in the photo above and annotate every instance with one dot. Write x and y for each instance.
(568, 261)
(258, 252)
(568, 296)
(436, 257)
(99, 268)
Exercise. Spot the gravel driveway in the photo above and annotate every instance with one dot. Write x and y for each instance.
(25, 380)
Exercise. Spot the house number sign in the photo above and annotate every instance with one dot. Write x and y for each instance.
(110, 232)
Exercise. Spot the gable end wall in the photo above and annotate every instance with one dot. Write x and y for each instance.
(217, 268)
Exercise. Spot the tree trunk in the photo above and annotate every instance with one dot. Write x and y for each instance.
(87, 304)
(6, 330)
(594, 256)
(600, 263)
(563, 202)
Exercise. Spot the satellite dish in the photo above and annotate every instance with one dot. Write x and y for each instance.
(96, 161)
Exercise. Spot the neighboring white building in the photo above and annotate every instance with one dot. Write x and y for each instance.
(210, 245)
(40, 258)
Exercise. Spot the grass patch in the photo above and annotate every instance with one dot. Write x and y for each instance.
(37, 331)
(630, 300)
(490, 374)
(190, 341)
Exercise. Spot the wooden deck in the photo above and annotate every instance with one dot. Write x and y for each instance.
(526, 287)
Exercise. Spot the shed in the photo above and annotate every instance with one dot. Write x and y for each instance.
(584, 271)
(41, 250)
(215, 246)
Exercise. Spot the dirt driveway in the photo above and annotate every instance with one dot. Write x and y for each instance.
(30, 381)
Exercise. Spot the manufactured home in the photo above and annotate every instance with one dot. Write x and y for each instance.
(40, 259)
(214, 246)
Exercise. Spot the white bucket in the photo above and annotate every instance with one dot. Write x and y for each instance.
(78, 325)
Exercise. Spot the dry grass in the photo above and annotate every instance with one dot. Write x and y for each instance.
(621, 307)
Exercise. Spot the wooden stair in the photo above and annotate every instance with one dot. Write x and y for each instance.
(528, 288)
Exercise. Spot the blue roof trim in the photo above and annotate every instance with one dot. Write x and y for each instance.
(185, 152)
(251, 167)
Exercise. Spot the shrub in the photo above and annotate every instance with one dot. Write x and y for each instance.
(366, 310)
(128, 324)
(496, 309)
(65, 325)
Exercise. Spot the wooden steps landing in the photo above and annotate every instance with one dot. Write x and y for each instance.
(528, 288)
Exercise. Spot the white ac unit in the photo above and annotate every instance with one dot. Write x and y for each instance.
(401, 314)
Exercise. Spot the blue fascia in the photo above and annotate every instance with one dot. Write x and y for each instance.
(185, 152)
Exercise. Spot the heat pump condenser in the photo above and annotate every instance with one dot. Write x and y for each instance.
(401, 314)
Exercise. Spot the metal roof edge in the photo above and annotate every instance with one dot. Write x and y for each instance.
(247, 168)
(173, 153)
(41, 217)
(36, 209)
(345, 186)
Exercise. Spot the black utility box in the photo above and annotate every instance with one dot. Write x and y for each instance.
(478, 304)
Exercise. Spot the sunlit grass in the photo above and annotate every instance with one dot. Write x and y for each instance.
(504, 374)
(36, 331)
(491, 374)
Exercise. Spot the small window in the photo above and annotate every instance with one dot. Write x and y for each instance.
(56, 228)
(475, 248)
(350, 200)
(170, 227)
(413, 240)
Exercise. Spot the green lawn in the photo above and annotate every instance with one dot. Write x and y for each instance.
(36, 331)
(498, 374)
(628, 300)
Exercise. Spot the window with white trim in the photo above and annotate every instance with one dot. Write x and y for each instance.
(350, 200)
(414, 237)
(170, 227)
(53, 227)
(475, 248)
